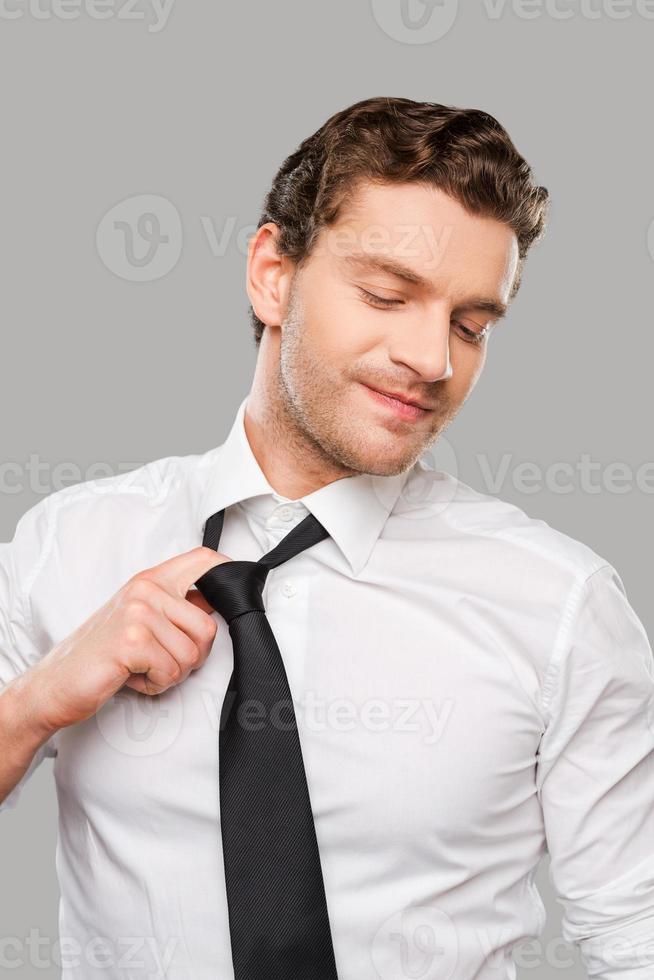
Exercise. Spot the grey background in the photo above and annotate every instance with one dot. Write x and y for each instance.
(98, 368)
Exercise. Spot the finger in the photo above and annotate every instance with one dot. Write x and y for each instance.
(195, 597)
(193, 619)
(179, 573)
(152, 661)
(188, 654)
(154, 681)
(140, 683)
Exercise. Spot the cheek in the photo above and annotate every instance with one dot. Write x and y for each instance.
(338, 325)
(467, 365)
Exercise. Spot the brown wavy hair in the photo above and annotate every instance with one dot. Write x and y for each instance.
(464, 152)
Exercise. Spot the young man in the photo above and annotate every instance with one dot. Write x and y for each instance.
(449, 688)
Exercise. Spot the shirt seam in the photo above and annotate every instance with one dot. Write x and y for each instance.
(562, 640)
(579, 583)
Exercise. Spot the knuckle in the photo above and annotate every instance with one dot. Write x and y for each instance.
(191, 654)
(136, 610)
(152, 689)
(174, 674)
(210, 628)
(210, 554)
(135, 635)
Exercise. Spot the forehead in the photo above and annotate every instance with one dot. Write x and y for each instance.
(426, 230)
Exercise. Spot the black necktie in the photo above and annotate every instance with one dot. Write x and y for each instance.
(278, 920)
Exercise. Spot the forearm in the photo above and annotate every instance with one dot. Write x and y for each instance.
(22, 732)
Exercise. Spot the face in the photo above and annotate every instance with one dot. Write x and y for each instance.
(399, 297)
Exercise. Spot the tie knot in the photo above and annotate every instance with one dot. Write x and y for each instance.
(234, 588)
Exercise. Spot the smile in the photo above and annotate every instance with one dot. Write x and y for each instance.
(401, 409)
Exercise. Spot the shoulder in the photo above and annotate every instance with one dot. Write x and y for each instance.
(543, 598)
(147, 486)
(497, 530)
(82, 522)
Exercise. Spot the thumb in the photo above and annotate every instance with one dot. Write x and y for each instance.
(197, 599)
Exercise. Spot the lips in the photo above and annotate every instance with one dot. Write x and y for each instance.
(401, 408)
(402, 398)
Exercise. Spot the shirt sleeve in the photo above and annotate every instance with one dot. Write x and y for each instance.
(595, 779)
(20, 561)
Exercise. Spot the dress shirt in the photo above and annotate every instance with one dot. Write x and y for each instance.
(472, 689)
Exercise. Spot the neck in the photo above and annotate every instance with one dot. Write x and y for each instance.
(291, 461)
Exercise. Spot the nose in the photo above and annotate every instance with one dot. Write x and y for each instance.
(423, 344)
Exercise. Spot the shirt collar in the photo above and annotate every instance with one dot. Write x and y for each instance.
(353, 509)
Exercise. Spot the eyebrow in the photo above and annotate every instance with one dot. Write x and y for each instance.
(394, 268)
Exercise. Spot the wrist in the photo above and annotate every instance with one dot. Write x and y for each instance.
(21, 719)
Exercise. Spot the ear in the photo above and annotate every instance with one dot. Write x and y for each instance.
(268, 275)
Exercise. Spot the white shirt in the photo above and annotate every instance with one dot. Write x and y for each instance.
(471, 688)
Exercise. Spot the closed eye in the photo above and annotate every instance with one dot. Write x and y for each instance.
(471, 336)
(375, 300)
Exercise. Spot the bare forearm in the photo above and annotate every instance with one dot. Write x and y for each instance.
(22, 733)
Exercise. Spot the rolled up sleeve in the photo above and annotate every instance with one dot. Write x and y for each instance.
(20, 561)
(595, 778)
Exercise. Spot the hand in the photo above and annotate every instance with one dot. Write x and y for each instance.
(149, 636)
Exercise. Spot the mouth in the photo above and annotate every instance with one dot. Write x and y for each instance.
(403, 408)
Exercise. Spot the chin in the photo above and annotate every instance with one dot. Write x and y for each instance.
(366, 447)
(380, 462)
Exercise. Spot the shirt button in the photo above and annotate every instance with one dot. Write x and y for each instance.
(285, 513)
(288, 589)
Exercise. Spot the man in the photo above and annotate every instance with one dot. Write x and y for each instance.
(470, 686)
